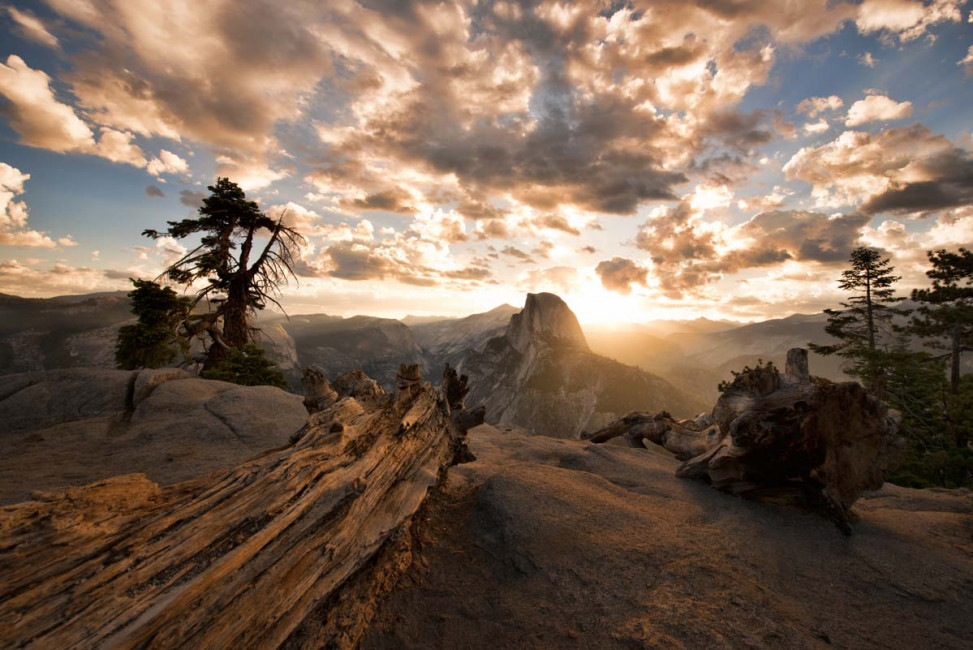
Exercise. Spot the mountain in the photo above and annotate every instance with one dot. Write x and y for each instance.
(541, 375)
(697, 355)
(48, 333)
(412, 321)
(335, 345)
(448, 340)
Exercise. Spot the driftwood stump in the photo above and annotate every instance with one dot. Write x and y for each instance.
(318, 393)
(256, 556)
(781, 437)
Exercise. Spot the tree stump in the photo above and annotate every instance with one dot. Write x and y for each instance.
(318, 393)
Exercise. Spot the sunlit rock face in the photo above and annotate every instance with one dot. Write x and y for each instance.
(545, 318)
(540, 375)
(449, 340)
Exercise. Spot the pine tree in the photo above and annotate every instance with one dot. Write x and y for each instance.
(156, 339)
(945, 316)
(247, 366)
(235, 282)
(864, 326)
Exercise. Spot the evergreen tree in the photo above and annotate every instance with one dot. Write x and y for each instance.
(945, 316)
(238, 282)
(863, 326)
(155, 340)
(247, 366)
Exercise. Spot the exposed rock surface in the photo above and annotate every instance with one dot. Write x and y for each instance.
(545, 319)
(448, 340)
(68, 427)
(540, 375)
(544, 543)
(290, 549)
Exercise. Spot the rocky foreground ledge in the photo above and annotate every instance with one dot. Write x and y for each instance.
(293, 547)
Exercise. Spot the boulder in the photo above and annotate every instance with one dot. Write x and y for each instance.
(65, 428)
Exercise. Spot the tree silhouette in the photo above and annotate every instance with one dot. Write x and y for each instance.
(236, 282)
(864, 320)
(157, 338)
(946, 312)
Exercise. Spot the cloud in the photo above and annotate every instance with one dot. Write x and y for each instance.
(814, 106)
(44, 122)
(619, 274)
(688, 253)
(167, 163)
(816, 128)
(908, 170)
(35, 113)
(117, 146)
(967, 61)
(556, 278)
(309, 224)
(516, 253)
(546, 105)
(877, 108)
(191, 198)
(155, 192)
(800, 235)
(250, 173)
(31, 27)
(14, 214)
(906, 20)
(556, 222)
(867, 60)
(23, 278)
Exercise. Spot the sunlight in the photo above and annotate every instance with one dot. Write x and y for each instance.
(595, 305)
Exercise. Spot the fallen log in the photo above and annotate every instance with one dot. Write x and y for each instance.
(239, 558)
(781, 437)
(681, 438)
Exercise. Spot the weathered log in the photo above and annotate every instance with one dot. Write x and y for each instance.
(682, 439)
(357, 384)
(787, 434)
(408, 382)
(774, 436)
(318, 393)
(455, 387)
(243, 557)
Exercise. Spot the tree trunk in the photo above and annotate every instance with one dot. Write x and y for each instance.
(295, 546)
(236, 332)
(954, 368)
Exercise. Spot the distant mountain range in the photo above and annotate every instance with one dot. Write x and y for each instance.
(534, 367)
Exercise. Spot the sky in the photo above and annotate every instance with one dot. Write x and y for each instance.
(644, 160)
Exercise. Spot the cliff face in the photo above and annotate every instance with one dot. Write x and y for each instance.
(545, 320)
(48, 333)
(541, 375)
(335, 345)
(449, 340)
